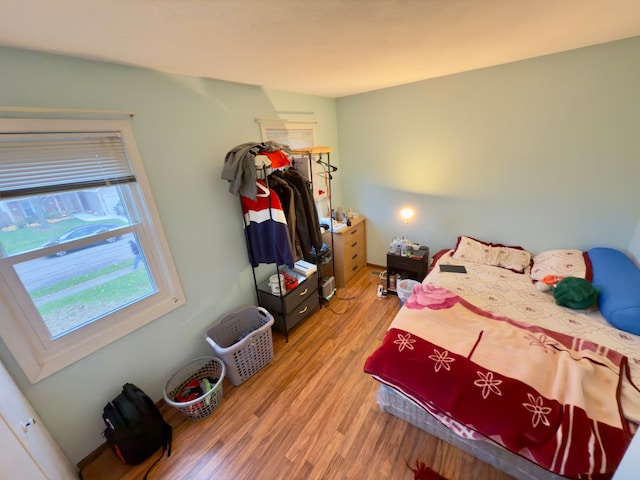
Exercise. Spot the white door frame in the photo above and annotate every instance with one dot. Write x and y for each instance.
(23, 433)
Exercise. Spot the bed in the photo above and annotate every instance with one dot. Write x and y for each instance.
(489, 361)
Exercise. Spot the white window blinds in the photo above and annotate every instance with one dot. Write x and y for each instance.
(35, 163)
(293, 134)
(297, 138)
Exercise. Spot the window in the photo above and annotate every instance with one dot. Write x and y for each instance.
(83, 258)
(301, 135)
(293, 134)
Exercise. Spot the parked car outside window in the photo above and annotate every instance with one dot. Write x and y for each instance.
(81, 232)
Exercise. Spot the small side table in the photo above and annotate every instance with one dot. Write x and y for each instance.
(414, 267)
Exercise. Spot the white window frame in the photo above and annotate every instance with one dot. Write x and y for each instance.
(39, 357)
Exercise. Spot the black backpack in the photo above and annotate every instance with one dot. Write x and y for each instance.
(135, 427)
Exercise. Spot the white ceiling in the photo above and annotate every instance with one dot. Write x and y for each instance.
(324, 47)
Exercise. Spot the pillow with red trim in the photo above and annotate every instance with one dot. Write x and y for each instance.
(437, 256)
(561, 263)
(512, 258)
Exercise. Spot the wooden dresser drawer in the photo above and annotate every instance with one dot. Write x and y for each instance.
(354, 263)
(354, 243)
(349, 250)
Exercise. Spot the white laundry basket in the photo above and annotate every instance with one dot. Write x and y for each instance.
(201, 407)
(243, 341)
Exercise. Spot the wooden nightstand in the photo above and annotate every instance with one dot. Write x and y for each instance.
(414, 267)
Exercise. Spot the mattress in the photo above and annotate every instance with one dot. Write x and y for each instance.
(393, 402)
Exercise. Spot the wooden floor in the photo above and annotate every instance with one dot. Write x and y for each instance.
(309, 414)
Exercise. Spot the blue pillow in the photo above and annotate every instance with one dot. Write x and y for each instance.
(618, 282)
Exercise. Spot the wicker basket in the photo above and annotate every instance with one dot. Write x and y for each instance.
(243, 340)
(206, 404)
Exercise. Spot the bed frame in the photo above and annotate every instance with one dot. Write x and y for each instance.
(393, 402)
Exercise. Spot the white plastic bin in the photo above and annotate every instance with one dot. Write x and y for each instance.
(405, 289)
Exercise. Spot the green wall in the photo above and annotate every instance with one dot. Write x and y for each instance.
(543, 153)
(184, 127)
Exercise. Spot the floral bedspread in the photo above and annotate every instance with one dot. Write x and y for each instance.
(547, 396)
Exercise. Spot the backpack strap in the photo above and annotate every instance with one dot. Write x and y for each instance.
(166, 447)
(168, 437)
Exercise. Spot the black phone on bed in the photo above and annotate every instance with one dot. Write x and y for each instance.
(453, 268)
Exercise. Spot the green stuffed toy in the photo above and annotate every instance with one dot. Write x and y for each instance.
(576, 293)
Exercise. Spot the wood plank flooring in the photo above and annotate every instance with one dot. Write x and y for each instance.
(309, 414)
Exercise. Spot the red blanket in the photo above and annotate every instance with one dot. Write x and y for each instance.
(549, 397)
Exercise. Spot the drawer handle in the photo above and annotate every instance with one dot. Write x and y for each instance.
(303, 310)
(354, 244)
(355, 268)
(354, 231)
(302, 294)
(354, 257)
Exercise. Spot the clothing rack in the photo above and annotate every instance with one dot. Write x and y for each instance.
(288, 306)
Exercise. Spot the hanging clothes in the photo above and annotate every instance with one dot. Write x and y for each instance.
(278, 158)
(298, 181)
(302, 238)
(266, 230)
(287, 196)
(240, 169)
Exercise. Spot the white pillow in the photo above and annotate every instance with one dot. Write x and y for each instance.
(561, 263)
(494, 254)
